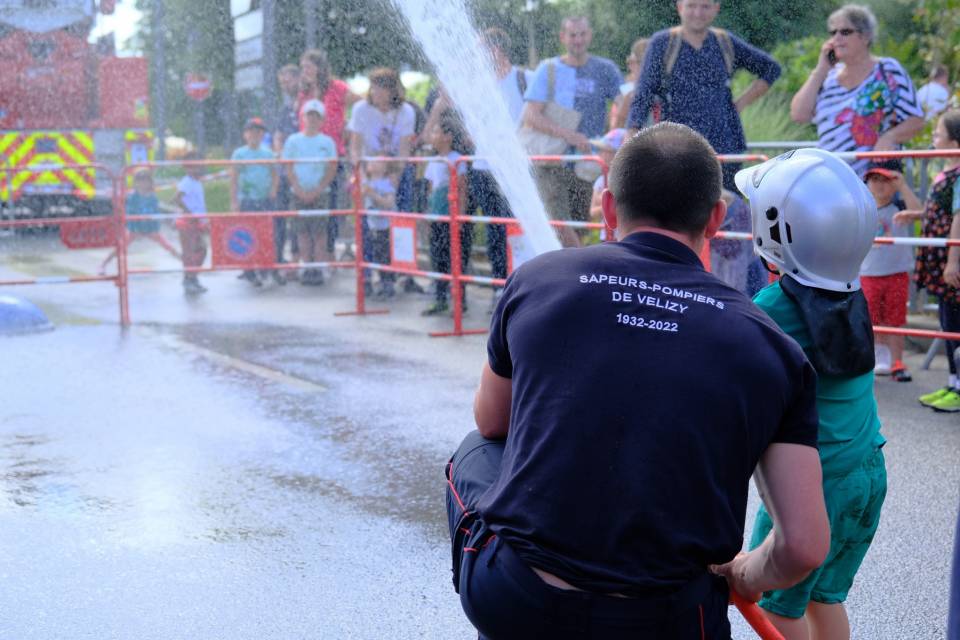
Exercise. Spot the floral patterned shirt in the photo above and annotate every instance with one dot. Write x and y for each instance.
(854, 119)
(943, 201)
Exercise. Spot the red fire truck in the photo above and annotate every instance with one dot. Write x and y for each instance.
(65, 101)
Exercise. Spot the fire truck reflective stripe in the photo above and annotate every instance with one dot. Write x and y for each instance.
(22, 178)
(76, 155)
(79, 146)
(138, 149)
(41, 153)
(7, 141)
(85, 140)
(79, 181)
(16, 156)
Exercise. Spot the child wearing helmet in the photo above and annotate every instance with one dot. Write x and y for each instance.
(814, 220)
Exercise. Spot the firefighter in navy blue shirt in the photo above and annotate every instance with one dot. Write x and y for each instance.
(627, 399)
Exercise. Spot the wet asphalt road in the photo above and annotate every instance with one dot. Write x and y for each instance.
(247, 465)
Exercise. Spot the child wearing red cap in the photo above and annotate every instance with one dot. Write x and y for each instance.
(885, 273)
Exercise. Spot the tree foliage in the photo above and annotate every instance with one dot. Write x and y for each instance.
(361, 34)
(939, 37)
(198, 38)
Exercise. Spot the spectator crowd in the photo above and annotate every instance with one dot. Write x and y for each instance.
(578, 103)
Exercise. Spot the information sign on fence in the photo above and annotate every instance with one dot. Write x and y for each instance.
(88, 234)
(242, 242)
(403, 243)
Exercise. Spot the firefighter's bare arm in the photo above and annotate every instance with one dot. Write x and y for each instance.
(789, 480)
(491, 405)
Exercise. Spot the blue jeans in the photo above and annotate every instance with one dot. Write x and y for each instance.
(488, 198)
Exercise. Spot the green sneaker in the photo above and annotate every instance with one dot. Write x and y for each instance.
(436, 309)
(928, 399)
(949, 403)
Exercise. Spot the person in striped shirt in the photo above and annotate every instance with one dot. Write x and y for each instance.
(857, 101)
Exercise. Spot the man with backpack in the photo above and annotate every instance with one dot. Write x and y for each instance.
(566, 107)
(688, 69)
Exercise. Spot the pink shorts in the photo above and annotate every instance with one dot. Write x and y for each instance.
(887, 298)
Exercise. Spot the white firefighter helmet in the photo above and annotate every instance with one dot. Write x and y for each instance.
(813, 217)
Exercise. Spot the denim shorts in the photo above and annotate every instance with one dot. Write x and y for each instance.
(853, 507)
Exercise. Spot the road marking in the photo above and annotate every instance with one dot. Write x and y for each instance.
(258, 370)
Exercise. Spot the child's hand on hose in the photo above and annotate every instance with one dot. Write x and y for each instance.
(735, 572)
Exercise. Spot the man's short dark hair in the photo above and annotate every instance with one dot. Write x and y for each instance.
(668, 176)
(567, 21)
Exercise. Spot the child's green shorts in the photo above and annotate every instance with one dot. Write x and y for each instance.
(853, 507)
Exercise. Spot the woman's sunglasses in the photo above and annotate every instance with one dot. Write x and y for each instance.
(843, 32)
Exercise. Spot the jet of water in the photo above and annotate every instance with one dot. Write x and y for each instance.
(449, 40)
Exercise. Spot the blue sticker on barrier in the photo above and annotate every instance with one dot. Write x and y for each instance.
(241, 242)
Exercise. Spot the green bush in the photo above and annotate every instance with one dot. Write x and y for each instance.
(768, 119)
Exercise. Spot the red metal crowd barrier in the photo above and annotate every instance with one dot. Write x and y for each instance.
(77, 231)
(360, 211)
(116, 225)
(223, 217)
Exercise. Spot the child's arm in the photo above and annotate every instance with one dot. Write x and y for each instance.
(907, 215)
(328, 177)
(295, 187)
(179, 203)
(288, 154)
(596, 210)
(274, 181)
(234, 183)
(909, 197)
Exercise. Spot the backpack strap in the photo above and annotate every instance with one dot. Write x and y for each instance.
(551, 79)
(670, 56)
(672, 52)
(726, 48)
(521, 80)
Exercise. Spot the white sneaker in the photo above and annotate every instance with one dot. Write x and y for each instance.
(884, 360)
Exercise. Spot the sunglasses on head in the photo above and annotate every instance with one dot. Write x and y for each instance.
(844, 32)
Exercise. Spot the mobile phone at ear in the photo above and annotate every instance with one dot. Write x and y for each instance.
(832, 57)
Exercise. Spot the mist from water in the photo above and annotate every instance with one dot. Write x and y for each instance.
(445, 32)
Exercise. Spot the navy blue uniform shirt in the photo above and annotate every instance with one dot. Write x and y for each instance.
(644, 392)
(700, 88)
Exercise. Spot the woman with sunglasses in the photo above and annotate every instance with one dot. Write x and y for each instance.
(858, 101)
